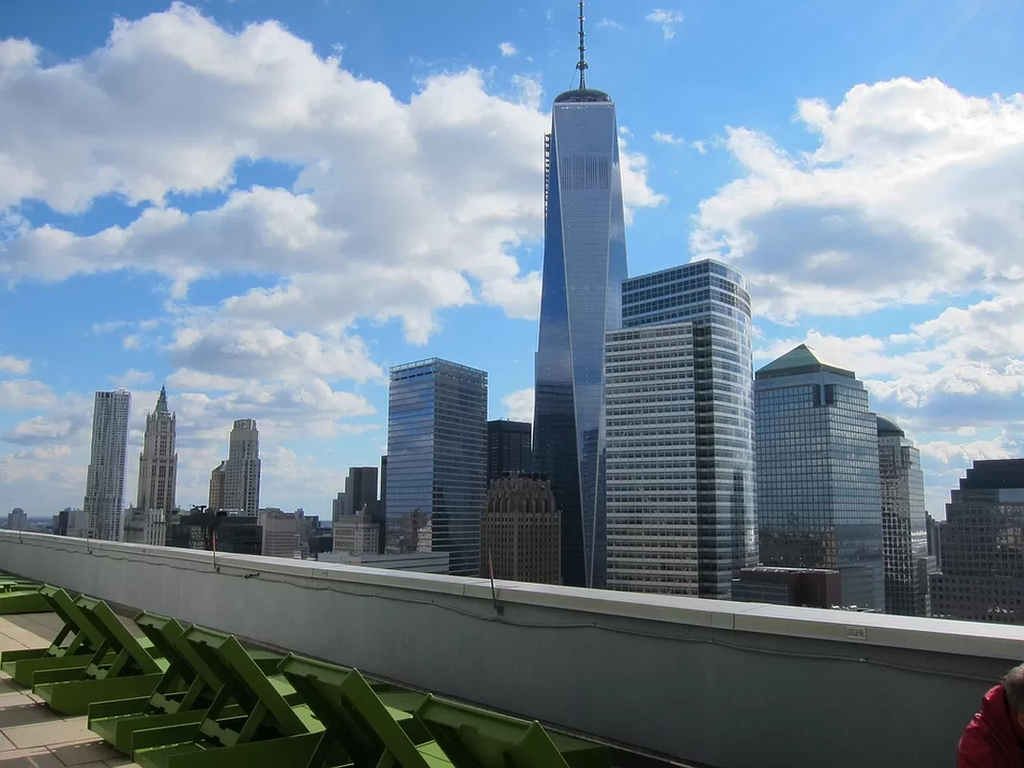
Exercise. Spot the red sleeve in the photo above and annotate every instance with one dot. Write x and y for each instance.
(975, 752)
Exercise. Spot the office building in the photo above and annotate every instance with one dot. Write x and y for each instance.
(584, 266)
(982, 575)
(218, 484)
(72, 522)
(242, 469)
(158, 463)
(437, 461)
(806, 587)
(680, 441)
(338, 506)
(520, 534)
(382, 505)
(936, 528)
(509, 449)
(361, 491)
(818, 499)
(285, 534)
(904, 529)
(145, 526)
(220, 531)
(17, 520)
(105, 479)
(357, 534)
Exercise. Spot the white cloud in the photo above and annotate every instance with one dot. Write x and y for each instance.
(507, 49)
(609, 23)
(14, 365)
(130, 378)
(914, 191)
(447, 181)
(25, 395)
(667, 19)
(699, 146)
(519, 405)
(667, 138)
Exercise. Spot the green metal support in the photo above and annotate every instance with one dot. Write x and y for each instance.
(181, 697)
(476, 738)
(250, 722)
(121, 667)
(74, 645)
(16, 599)
(358, 726)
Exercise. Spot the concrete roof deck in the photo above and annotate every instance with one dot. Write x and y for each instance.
(31, 734)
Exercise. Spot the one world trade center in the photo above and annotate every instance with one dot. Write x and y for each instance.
(584, 266)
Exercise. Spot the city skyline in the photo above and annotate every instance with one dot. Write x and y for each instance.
(914, 288)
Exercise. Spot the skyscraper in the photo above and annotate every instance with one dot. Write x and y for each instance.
(361, 491)
(904, 530)
(680, 439)
(584, 266)
(818, 501)
(242, 470)
(437, 461)
(218, 481)
(105, 480)
(520, 532)
(982, 575)
(508, 448)
(158, 463)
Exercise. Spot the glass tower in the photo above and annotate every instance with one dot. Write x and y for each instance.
(904, 527)
(584, 266)
(105, 480)
(436, 482)
(680, 439)
(818, 499)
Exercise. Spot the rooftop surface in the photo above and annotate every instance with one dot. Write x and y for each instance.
(31, 734)
(800, 359)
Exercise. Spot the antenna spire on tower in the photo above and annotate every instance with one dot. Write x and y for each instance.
(581, 65)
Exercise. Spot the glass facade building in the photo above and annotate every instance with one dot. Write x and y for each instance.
(904, 528)
(982, 575)
(818, 502)
(680, 440)
(509, 448)
(436, 481)
(584, 266)
(105, 479)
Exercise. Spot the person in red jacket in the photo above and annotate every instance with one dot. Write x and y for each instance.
(995, 737)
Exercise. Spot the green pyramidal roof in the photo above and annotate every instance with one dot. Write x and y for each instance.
(801, 359)
(161, 402)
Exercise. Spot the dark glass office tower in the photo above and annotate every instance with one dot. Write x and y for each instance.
(584, 266)
(509, 450)
(818, 497)
(437, 461)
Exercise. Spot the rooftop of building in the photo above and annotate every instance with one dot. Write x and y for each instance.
(994, 474)
(582, 96)
(436, 362)
(799, 360)
(888, 427)
(683, 272)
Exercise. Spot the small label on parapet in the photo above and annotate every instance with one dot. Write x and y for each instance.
(856, 633)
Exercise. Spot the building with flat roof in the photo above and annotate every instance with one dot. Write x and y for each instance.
(807, 587)
(509, 448)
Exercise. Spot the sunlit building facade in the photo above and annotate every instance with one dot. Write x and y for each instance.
(680, 441)
(105, 479)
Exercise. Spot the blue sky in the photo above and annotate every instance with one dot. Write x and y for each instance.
(266, 204)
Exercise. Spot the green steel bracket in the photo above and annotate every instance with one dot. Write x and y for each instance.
(250, 722)
(121, 667)
(74, 645)
(22, 600)
(476, 738)
(358, 726)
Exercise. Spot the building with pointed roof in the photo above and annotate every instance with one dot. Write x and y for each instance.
(818, 494)
(158, 462)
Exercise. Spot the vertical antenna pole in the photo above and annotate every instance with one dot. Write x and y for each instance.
(582, 64)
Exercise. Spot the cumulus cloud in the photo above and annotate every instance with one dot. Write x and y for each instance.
(519, 405)
(667, 19)
(130, 378)
(9, 364)
(447, 182)
(507, 49)
(609, 23)
(25, 395)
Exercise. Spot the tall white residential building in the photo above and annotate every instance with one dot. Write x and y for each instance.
(105, 480)
(679, 433)
(158, 463)
(242, 470)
